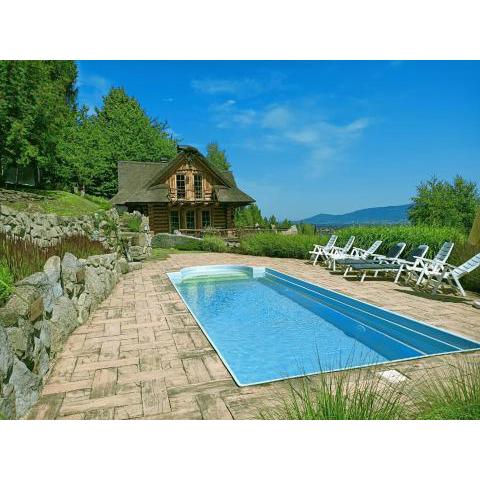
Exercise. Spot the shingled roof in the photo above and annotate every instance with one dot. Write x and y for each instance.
(141, 182)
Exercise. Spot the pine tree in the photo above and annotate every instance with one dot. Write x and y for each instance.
(217, 157)
(37, 99)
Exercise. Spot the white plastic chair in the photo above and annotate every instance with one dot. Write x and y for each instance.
(356, 253)
(452, 274)
(339, 250)
(425, 266)
(321, 250)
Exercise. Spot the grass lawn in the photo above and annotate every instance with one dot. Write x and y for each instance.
(62, 203)
(163, 253)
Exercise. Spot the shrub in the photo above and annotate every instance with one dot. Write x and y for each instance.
(410, 234)
(23, 257)
(278, 245)
(6, 283)
(189, 245)
(461, 253)
(454, 395)
(297, 246)
(134, 224)
(212, 243)
(131, 221)
(341, 396)
(306, 229)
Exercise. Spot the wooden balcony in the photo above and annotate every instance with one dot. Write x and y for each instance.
(189, 196)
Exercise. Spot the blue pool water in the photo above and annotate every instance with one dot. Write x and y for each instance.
(268, 326)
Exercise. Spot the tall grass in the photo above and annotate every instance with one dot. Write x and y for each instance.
(23, 257)
(341, 396)
(297, 246)
(278, 245)
(453, 395)
(6, 283)
(412, 235)
(448, 393)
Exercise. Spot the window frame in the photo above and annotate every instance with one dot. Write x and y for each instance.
(171, 222)
(192, 212)
(178, 181)
(209, 219)
(198, 188)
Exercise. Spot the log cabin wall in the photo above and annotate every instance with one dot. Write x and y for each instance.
(190, 170)
(158, 216)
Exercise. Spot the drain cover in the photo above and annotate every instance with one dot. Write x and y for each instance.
(393, 376)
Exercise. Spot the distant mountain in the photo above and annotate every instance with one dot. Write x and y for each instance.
(377, 215)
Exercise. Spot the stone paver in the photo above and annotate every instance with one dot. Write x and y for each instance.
(142, 355)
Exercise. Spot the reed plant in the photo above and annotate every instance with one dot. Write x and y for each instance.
(347, 395)
(24, 257)
(453, 394)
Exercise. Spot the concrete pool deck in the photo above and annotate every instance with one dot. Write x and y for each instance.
(142, 355)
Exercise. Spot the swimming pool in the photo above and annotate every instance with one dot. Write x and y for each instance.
(267, 326)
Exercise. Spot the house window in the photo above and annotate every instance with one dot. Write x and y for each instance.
(174, 221)
(190, 219)
(205, 218)
(198, 186)
(180, 186)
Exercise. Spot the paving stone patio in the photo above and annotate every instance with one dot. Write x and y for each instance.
(141, 354)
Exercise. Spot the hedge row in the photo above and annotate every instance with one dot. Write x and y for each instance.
(298, 246)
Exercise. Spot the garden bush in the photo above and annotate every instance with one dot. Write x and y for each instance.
(297, 246)
(278, 245)
(461, 253)
(23, 257)
(212, 243)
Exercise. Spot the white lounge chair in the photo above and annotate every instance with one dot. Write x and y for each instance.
(424, 265)
(387, 265)
(452, 274)
(356, 254)
(319, 251)
(392, 255)
(339, 251)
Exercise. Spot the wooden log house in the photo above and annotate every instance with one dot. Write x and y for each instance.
(187, 192)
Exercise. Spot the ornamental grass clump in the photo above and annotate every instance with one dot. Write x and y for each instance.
(453, 394)
(24, 257)
(212, 243)
(6, 283)
(341, 396)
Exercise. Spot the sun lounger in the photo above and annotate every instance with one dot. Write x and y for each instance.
(392, 255)
(377, 266)
(452, 275)
(425, 265)
(319, 251)
(356, 254)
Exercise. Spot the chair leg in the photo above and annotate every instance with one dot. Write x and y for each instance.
(347, 269)
(459, 286)
(400, 271)
(364, 275)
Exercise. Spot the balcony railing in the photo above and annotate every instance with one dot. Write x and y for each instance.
(189, 195)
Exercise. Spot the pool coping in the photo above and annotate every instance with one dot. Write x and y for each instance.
(319, 372)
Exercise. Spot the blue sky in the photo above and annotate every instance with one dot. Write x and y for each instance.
(315, 136)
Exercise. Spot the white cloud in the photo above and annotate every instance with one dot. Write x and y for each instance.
(276, 117)
(212, 86)
(245, 87)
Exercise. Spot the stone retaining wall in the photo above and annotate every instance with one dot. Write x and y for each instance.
(37, 319)
(46, 229)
